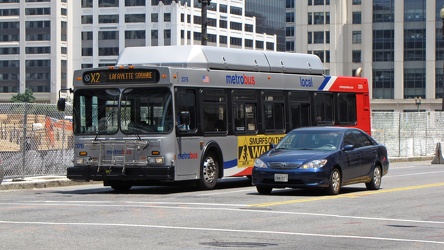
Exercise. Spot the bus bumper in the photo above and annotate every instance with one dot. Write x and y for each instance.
(106, 173)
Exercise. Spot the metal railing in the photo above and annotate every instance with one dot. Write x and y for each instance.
(37, 139)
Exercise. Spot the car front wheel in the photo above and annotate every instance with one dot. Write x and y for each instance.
(335, 182)
(263, 190)
(375, 183)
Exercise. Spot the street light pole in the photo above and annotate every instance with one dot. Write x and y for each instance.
(204, 35)
(441, 13)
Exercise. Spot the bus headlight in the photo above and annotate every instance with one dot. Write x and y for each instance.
(156, 160)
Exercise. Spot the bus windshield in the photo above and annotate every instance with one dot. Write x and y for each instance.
(140, 111)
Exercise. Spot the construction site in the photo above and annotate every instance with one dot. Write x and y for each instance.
(35, 139)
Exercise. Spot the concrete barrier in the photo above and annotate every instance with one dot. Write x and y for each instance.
(438, 159)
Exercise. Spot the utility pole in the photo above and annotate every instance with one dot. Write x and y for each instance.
(204, 35)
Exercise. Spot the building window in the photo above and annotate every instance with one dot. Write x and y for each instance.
(249, 43)
(383, 84)
(383, 11)
(356, 56)
(414, 44)
(109, 19)
(318, 37)
(167, 17)
(87, 35)
(235, 26)
(289, 17)
(414, 83)
(356, 37)
(135, 34)
(356, 2)
(154, 17)
(87, 19)
(109, 51)
(289, 4)
(318, 17)
(235, 10)
(383, 45)
(108, 35)
(320, 54)
(87, 51)
(414, 10)
(134, 2)
(223, 39)
(87, 3)
(223, 24)
(289, 31)
(357, 17)
(289, 46)
(259, 44)
(135, 18)
(108, 3)
(37, 11)
(236, 41)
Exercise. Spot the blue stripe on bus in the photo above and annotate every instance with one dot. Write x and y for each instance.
(230, 164)
(327, 78)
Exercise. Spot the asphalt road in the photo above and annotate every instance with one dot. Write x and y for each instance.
(406, 213)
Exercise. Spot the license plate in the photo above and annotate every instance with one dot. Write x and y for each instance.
(281, 177)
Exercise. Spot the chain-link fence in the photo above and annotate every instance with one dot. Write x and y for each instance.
(408, 134)
(35, 140)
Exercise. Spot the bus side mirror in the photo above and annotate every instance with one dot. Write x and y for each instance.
(61, 104)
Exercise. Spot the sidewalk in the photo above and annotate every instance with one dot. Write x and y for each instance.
(40, 182)
(62, 181)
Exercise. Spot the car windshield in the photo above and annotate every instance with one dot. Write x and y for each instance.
(310, 140)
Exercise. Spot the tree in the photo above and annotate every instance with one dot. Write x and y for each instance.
(27, 96)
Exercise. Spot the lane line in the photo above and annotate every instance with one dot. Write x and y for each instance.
(349, 195)
(223, 230)
(242, 208)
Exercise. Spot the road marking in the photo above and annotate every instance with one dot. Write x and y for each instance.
(349, 195)
(222, 230)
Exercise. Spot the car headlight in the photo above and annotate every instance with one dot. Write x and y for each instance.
(314, 164)
(259, 163)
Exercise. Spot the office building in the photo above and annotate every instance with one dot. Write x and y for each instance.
(397, 43)
(106, 27)
(34, 48)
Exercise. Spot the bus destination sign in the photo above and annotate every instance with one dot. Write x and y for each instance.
(121, 76)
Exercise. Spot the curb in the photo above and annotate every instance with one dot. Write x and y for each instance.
(42, 182)
(62, 181)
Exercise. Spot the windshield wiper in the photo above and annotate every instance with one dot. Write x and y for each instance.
(102, 126)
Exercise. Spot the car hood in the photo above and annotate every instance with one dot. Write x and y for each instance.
(295, 156)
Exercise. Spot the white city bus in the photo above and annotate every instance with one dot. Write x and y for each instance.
(199, 113)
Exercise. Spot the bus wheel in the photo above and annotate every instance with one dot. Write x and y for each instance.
(121, 187)
(209, 173)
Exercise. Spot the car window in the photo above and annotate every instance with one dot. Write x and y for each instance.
(362, 139)
(349, 139)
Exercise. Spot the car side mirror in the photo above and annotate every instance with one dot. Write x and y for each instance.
(349, 147)
(272, 145)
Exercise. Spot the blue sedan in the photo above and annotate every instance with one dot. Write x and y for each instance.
(325, 157)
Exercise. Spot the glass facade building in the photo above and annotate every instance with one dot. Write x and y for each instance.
(397, 43)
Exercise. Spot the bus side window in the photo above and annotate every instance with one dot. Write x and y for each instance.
(324, 109)
(214, 110)
(245, 111)
(186, 102)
